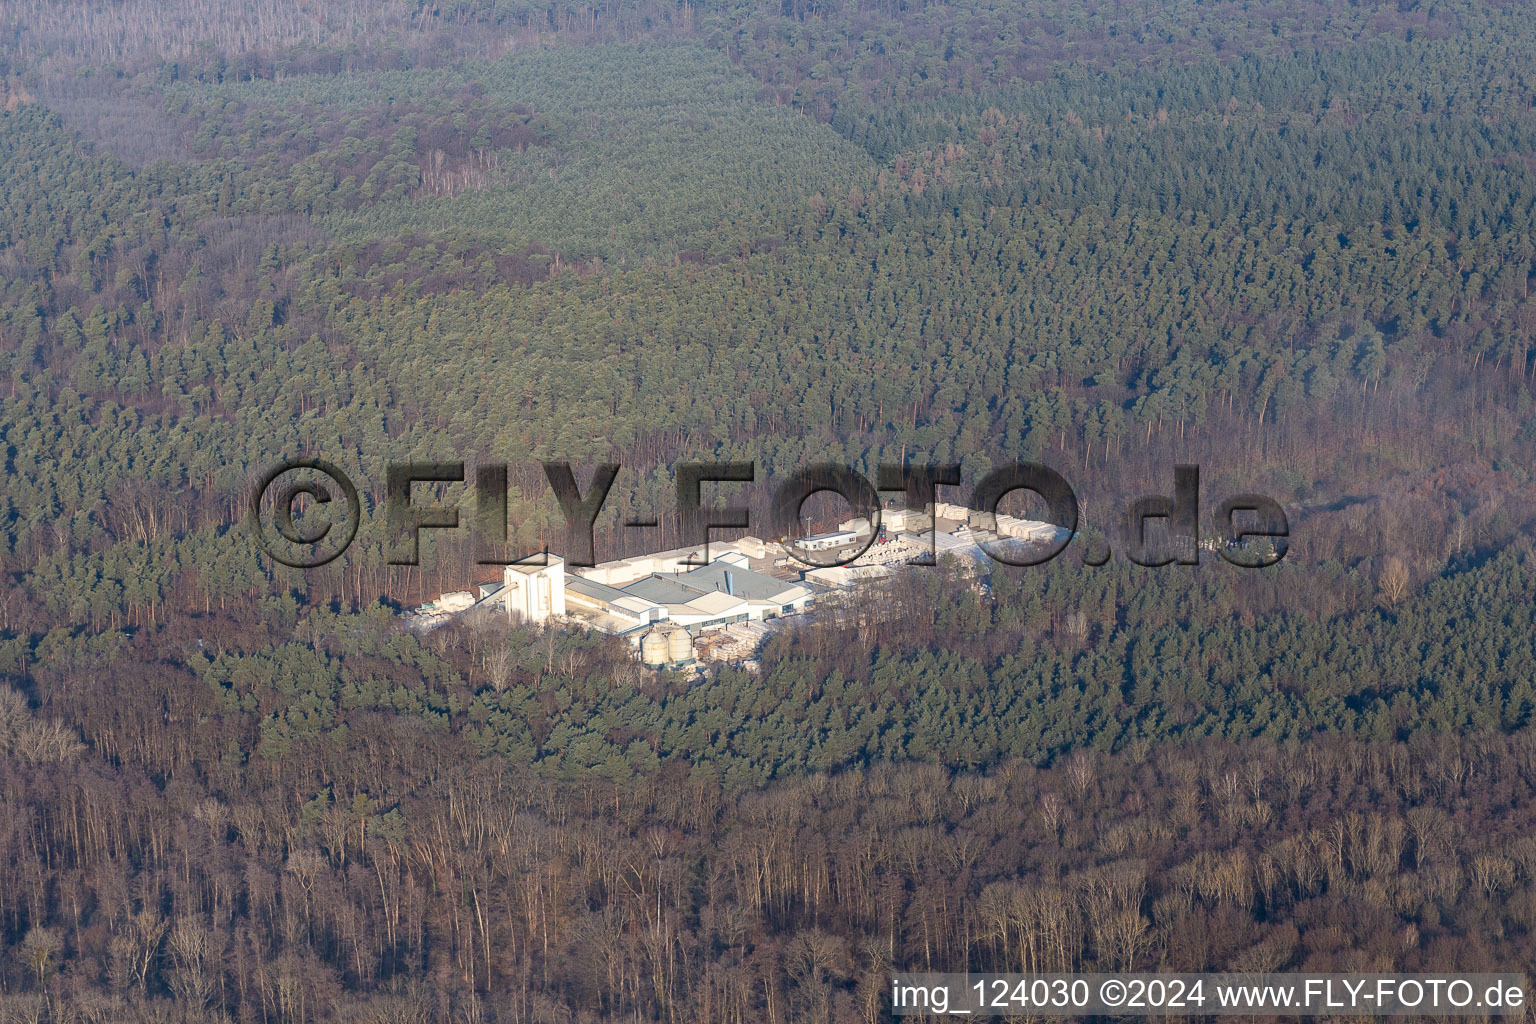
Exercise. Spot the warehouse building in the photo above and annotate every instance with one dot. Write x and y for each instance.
(607, 608)
(724, 591)
(828, 541)
(667, 590)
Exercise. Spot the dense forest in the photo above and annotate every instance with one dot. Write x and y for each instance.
(1290, 242)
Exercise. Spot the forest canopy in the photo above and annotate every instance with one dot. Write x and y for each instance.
(1289, 242)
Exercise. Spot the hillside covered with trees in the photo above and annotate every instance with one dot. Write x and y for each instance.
(1290, 242)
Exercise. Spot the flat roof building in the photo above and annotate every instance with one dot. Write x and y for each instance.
(722, 592)
(837, 576)
(827, 541)
(607, 608)
(623, 571)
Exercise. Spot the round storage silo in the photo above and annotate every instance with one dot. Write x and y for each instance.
(653, 649)
(679, 647)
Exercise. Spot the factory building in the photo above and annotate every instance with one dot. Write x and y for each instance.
(724, 591)
(720, 593)
(829, 541)
(838, 576)
(608, 608)
(663, 613)
(534, 593)
(627, 570)
(665, 603)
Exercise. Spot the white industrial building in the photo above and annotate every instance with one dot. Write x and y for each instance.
(667, 599)
(608, 608)
(829, 541)
(838, 576)
(722, 592)
(534, 593)
(621, 571)
(527, 590)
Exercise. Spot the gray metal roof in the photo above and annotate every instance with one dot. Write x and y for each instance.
(747, 583)
(663, 590)
(593, 589)
(708, 579)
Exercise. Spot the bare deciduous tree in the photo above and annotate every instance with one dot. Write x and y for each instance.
(498, 667)
(191, 977)
(1393, 581)
(39, 950)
